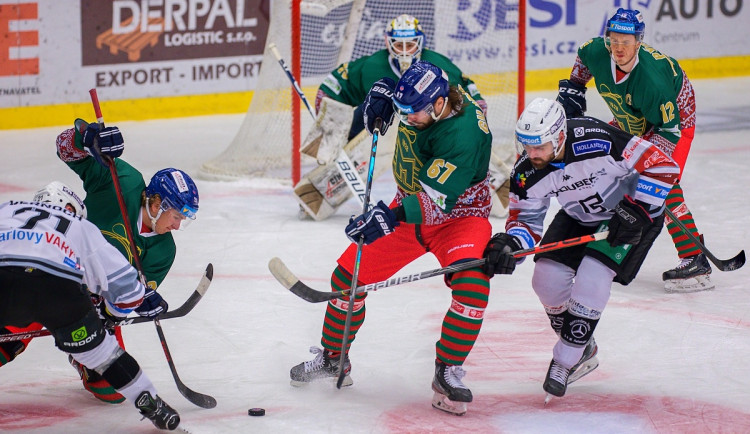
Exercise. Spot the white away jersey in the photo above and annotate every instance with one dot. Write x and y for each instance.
(600, 166)
(55, 240)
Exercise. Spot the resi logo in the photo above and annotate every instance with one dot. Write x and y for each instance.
(474, 17)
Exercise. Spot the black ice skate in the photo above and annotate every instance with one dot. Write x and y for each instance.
(324, 365)
(556, 382)
(693, 274)
(451, 395)
(558, 378)
(586, 364)
(157, 411)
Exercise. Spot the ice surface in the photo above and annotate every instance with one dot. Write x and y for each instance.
(669, 362)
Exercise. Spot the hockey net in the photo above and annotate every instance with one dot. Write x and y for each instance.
(481, 37)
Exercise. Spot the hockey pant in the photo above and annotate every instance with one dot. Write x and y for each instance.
(451, 242)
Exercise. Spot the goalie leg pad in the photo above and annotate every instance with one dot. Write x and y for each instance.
(324, 189)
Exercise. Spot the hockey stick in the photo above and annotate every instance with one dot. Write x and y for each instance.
(722, 264)
(344, 165)
(181, 311)
(196, 398)
(301, 290)
(357, 261)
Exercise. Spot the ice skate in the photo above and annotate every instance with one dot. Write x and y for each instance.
(324, 365)
(556, 382)
(157, 411)
(588, 362)
(451, 395)
(691, 275)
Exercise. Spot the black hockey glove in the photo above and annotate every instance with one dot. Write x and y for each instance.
(379, 104)
(572, 96)
(499, 254)
(109, 320)
(626, 225)
(153, 305)
(375, 223)
(99, 141)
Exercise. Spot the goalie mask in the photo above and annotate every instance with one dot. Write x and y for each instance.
(405, 40)
(539, 127)
(58, 193)
(417, 90)
(177, 191)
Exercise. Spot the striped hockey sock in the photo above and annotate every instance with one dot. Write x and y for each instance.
(676, 203)
(335, 319)
(461, 325)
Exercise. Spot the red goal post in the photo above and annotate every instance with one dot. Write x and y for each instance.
(482, 37)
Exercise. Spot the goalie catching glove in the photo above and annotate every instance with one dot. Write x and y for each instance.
(499, 254)
(100, 142)
(379, 104)
(626, 225)
(375, 223)
(572, 96)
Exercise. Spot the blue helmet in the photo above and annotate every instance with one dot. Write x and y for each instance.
(176, 190)
(627, 21)
(418, 88)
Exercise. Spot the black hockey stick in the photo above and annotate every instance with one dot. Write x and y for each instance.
(722, 264)
(301, 290)
(181, 311)
(196, 398)
(360, 243)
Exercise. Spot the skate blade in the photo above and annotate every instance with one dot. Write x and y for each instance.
(693, 284)
(584, 369)
(548, 398)
(441, 402)
(347, 382)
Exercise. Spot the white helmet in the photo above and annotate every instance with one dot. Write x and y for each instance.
(402, 34)
(60, 194)
(541, 122)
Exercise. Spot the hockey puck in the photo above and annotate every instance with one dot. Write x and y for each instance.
(256, 412)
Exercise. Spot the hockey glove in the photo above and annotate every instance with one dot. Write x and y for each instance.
(379, 104)
(108, 319)
(572, 96)
(373, 224)
(153, 304)
(626, 225)
(499, 254)
(100, 142)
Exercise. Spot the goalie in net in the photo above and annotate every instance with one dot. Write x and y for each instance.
(339, 124)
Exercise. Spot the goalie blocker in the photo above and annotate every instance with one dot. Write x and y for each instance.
(342, 164)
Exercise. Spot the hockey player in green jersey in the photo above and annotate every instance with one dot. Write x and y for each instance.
(442, 206)
(168, 202)
(339, 106)
(649, 96)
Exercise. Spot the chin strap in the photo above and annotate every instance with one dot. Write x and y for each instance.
(153, 218)
(437, 118)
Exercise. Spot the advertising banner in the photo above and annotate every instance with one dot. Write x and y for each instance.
(52, 51)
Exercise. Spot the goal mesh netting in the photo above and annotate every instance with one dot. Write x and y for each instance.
(481, 37)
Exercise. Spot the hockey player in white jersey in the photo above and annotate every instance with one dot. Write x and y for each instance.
(46, 253)
(602, 178)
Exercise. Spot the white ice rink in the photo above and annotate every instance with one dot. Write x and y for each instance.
(670, 363)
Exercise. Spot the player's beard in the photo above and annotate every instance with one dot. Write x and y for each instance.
(422, 125)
